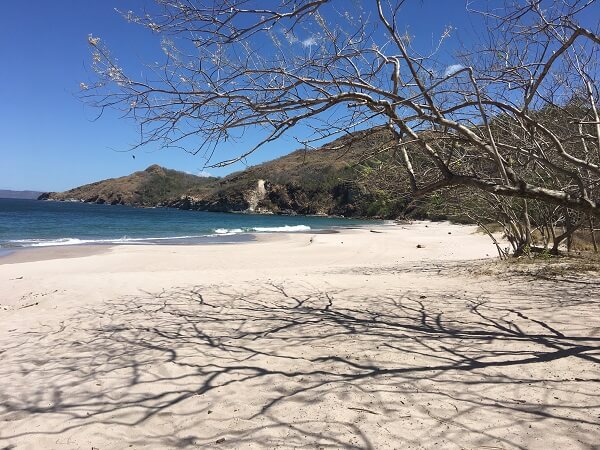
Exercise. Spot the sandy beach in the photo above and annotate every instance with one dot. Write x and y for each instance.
(358, 339)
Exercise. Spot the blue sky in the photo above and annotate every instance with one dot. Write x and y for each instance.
(49, 140)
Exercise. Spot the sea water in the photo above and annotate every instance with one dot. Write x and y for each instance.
(35, 223)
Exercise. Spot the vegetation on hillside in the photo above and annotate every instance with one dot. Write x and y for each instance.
(345, 177)
(150, 187)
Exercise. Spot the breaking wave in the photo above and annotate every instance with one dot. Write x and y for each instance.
(283, 229)
(16, 243)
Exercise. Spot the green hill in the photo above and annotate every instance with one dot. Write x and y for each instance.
(345, 177)
(150, 187)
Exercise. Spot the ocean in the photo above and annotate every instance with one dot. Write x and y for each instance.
(33, 223)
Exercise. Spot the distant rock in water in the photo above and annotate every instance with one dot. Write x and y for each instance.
(25, 195)
(342, 178)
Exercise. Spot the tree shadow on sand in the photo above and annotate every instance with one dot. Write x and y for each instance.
(296, 365)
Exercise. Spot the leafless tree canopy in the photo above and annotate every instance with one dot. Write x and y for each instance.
(516, 115)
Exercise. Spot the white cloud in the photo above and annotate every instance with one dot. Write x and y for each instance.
(309, 41)
(453, 69)
(200, 173)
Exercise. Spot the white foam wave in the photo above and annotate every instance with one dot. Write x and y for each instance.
(76, 241)
(228, 231)
(47, 242)
(151, 240)
(282, 229)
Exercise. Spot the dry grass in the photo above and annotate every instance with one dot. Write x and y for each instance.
(580, 265)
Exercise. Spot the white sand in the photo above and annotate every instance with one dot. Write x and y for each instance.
(353, 340)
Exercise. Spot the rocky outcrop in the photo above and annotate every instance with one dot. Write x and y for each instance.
(275, 198)
(255, 196)
(219, 204)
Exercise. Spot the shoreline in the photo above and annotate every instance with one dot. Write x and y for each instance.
(70, 225)
(33, 254)
(15, 255)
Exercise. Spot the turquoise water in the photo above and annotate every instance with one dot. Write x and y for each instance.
(33, 223)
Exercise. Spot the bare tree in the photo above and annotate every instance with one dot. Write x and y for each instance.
(516, 116)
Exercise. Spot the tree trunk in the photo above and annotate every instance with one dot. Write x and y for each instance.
(570, 228)
(569, 225)
(594, 243)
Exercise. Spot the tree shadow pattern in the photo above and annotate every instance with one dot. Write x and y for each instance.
(293, 365)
